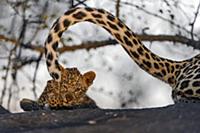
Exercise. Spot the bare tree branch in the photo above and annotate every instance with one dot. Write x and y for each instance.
(117, 8)
(192, 24)
(158, 16)
(6, 75)
(79, 3)
(35, 75)
(96, 44)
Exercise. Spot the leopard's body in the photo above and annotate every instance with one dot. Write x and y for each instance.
(182, 76)
(70, 91)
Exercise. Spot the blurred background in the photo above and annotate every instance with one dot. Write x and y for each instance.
(169, 28)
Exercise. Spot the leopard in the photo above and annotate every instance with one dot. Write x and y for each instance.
(182, 76)
(69, 92)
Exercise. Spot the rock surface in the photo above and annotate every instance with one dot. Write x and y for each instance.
(178, 118)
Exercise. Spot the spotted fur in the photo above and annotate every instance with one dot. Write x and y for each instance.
(70, 91)
(182, 76)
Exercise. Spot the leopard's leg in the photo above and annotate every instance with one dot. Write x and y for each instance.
(29, 105)
(179, 97)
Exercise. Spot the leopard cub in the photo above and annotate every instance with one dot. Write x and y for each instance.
(70, 91)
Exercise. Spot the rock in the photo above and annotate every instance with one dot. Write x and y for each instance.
(178, 118)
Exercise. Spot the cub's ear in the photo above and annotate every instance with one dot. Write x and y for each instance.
(89, 77)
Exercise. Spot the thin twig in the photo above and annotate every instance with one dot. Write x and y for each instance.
(24, 61)
(35, 75)
(117, 8)
(193, 23)
(6, 75)
(80, 3)
(9, 96)
(39, 22)
(20, 40)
